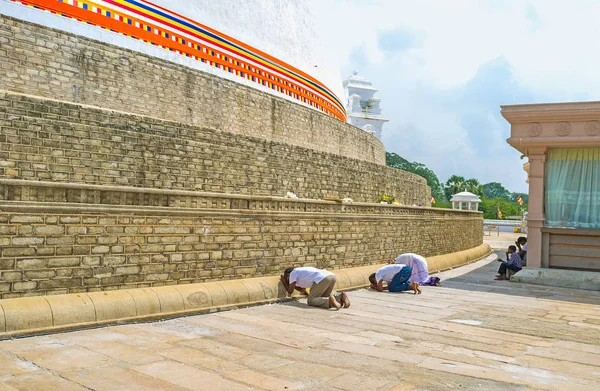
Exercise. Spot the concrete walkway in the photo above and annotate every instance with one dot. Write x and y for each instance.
(501, 241)
(472, 334)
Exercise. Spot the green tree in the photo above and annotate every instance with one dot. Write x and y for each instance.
(496, 190)
(453, 185)
(493, 195)
(472, 185)
(490, 207)
(524, 197)
(396, 161)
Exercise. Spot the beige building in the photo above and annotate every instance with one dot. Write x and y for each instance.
(562, 144)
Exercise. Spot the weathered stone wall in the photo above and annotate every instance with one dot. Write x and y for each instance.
(56, 247)
(41, 139)
(95, 199)
(40, 61)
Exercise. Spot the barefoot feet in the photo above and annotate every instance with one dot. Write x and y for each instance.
(345, 300)
(415, 287)
(334, 304)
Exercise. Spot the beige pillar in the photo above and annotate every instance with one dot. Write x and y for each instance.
(535, 219)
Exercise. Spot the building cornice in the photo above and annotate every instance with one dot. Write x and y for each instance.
(359, 86)
(571, 111)
(524, 144)
(368, 116)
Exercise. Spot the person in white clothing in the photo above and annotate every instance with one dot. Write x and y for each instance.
(320, 282)
(522, 248)
(420, 271)
(396, 278)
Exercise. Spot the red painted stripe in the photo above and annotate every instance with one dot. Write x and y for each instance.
(130, 30)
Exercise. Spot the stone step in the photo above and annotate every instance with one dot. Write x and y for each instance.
(588, 280)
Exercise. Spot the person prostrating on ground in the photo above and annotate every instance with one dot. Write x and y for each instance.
(320, 282)
(396, 278)
(420, 271)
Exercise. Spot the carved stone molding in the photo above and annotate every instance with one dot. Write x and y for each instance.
(126, 199)
(592, 128)
(535, 129)
(563, 129)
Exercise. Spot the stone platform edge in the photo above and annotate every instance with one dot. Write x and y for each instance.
(575, 279)
(45, 314)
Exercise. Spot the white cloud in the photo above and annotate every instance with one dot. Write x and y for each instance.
(427, 90)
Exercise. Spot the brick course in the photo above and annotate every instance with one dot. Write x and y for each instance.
(40, 61)
(127, 250)
(47, 140)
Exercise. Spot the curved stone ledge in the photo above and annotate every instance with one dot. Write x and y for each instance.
(43, 314)
(135, 151)
(59, 248)
(23, 195)
(440, 263)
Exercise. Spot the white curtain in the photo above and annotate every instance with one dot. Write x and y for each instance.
(572, 194)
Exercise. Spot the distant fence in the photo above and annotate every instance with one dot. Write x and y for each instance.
(494, 225)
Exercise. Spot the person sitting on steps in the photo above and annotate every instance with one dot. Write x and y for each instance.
(513, 262)
(320, 282)
(522, 247)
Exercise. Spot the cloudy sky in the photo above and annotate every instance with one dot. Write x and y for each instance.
(443, 68)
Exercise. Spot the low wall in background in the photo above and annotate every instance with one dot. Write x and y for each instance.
(41, 61)
(42, 139)
(58, 247)
(44, 314)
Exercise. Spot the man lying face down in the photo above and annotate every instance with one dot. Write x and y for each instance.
(396, 279)
(321, 284)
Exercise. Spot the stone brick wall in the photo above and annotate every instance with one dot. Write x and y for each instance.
(52, 248)
(40, 61)
(48, 140)
(97, 199)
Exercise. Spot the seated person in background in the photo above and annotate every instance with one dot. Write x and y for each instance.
(513, 262)
(522, 246)
(396, 278)
(420, 271)
(319, 281)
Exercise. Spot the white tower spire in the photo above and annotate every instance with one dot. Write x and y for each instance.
(362, 107)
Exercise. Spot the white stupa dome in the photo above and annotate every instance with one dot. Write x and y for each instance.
(269, 45)
(284, 29)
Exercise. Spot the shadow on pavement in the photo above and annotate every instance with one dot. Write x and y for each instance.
(479, 277)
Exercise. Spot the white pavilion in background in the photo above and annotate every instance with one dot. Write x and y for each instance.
(465, 201)
(362, 107)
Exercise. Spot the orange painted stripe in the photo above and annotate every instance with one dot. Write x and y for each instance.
(242, 44)
(98, 19)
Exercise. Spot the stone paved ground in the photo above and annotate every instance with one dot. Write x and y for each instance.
(501, 240)
(472, 334)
